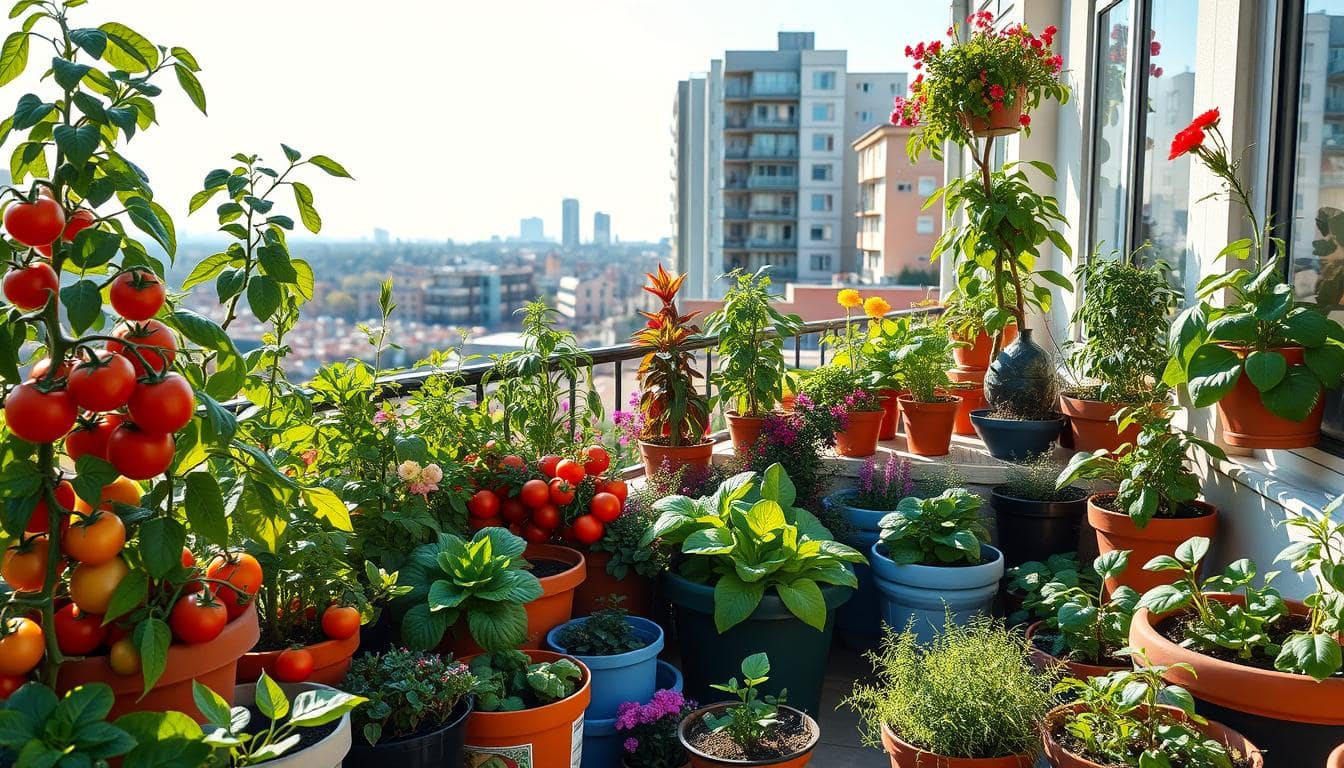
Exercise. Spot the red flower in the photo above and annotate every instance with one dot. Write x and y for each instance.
(1036, 43)
(1205, 120)
(935, 46)
(909, 51)
(655, 323)
(1155, 71)
(1025, 119)
(1052, 30)
(1056, 63)
(1186, 141)
(1154, 48)
(996, 92)
(950, 31)
(919, 65)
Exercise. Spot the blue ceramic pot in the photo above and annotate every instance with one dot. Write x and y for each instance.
(623, 677)
(602, 742)
(925, 593)
(859, 621)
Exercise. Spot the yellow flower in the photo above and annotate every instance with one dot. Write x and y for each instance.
(849, 298)
(876, 306)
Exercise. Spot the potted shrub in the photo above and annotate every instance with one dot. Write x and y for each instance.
(1154, 507)
(934, 559)
(754, 573)
(928, 409)
(675, 412)
(1132, 718)
(1088, 630)
(751, 370)
(756, 730)
(968, 699)
(1119, 362)
(964, 312)
(855, 414)
(1262, 356)
(619, 650)
(264, 728)
(881, 369)
(1037, 519)
(527, 706)
(416, 711)
(1267, 666)
(650, 731)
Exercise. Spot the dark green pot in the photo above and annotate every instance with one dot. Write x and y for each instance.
(797, 651)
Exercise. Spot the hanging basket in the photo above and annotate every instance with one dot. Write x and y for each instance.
(1004, 119)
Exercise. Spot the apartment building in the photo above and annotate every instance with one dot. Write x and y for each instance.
(477, 294)
(762, 167)
(601, 228)
(569, 223)
(895, 235)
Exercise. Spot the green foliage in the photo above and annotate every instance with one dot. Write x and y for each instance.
(967, 307)
(751, 336)
(923, 363)
(942, 530)
(484, 581)
(834, 385)
(510, 682)
(797, 441)
(1317, 552)
(1092, 627)
(972, 692)
(1035, 480)
(407, 691)
(749, 722)
(881, 366)
(235, 747)
(36, 728)
(605, 633)
(1042, 586)
(747, 538)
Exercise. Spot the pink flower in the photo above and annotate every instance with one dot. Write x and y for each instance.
(1051, 30)
(996, 92)
(1154, 48)
(631, 744)
(309, 456)
(381, 417)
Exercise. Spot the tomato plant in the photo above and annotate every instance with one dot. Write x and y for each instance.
(561, 492)
(95, 539)
(605, 507)
(570, 471)
(78, 633)
(243, 574)
(21, 646)
(89, 437)
(24, 567)
(39, 521)
(615, 487)
(596, 460)
(137, 294)
(123, 657)
(535, 493)
(81, 219)
(163, 405)
(547, 464)
(28, 287)
(91, 586)
(198, 617)
(547, 517)
(102, 383)
(9, 684)
(38, 413)
(483, 504)
(139, 454)
(588, 529)
(145, 343)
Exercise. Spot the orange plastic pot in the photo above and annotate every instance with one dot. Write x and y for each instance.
(1115, 530)
(636, 590)
(1063, 758)
(928, 426)
(972, 398)
(553, 608)
(1247, 423)
(549, 736)
(1003, 119)
(891, 413)
(859, 437)
(657, 456)
(700, 759)
(744, 431)
(905, 755)
(1043, 662)
(1091, 425)
(976, 356)
(213, 664)
(331, 659)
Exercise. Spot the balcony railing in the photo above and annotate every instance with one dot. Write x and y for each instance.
(735, 213)
(772, 154)
(773, 215)
(772, 182)
(736, 153)
(738, 182)
(771, 243)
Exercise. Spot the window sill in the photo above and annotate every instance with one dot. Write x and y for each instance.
(1301, 481)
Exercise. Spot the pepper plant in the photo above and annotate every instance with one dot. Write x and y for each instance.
(751, 332)
(1093, 627)
(1315, 651)
(748, 722)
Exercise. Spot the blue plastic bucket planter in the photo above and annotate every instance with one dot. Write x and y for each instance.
(629, 676)
(602, 742)
(926, 593)
(859, 621)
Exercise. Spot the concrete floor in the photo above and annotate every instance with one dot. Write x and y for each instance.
(841, 743)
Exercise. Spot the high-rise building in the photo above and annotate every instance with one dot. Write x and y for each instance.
(895, 234)
(601, 228)
(531, 230)
(477, 294)
(381, 236)
(764, 173)
(569, 223)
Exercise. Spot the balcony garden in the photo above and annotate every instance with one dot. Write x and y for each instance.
(477, 563)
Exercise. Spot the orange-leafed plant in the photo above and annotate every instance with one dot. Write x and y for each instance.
(675, 411)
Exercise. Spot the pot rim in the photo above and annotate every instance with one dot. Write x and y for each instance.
(1109, 516)
(982, 415)
(1022, 761)
(733, 414)
(534, 723)
(1254, 755)
(467, 705)
(836, 498)
(613, 661)
(771, 607)
(924, 573)
(697, 713)
(248, 691)
(646, 443)
(1100, 669)
(951, 402)
(568, 579)
(994, 491)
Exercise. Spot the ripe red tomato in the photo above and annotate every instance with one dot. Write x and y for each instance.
(40, 368)
(535, 493)
(535, 535)
(29, 287)
(163, 406)
(605, 507)
(137, 294)
(37, 223)
(198, 618)
(340, 622)
(615, 487)
(77, 632)
(138, 454)
(595, 460)
(571, 471)
(37, 416)
(22, 647)
(588, 529)
(80, 220)
(546, 518)
(483, 504)
(155, 340)
(547, 464)
(123, 657)
(513, 510)
(513, 461)
(561, 492)
(91, 586)
(40, 520)
(243, 572)
(90, 437)
(94, 540)
(294, 665)
(24, 566)
(9, 684)
(104, 383)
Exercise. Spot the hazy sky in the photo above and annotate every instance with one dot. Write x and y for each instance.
(458, 118)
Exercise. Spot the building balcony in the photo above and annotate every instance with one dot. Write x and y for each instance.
(772, 182)
(736, 183)
(770, 244)
(737, 214)
(778, 215)
(772, 154)
(734, 153)
(756, 93)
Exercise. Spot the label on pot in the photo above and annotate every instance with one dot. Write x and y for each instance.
(576, 743)
(499, 757)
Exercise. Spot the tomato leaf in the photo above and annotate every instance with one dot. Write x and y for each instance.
(263, 297)
(83, 304)
(91, 474)
(128, 49)
(129, 595)
(204, 505)
(77, 142)
(161, 542)
(152, 637)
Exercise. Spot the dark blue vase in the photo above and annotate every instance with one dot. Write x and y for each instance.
(1021, 382)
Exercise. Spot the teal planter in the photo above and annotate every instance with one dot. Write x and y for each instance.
(797, 651)
(859, 621)
(925, 593)
(602, 742)
(620, 677)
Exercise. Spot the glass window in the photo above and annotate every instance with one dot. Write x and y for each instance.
(1110, 178)
(821, 262)
(823, 80)
(774, 83)
(927, 184)
(823, 142)
(822, 203)
(1317, 248)
(822, 172)
(924, 225)
(904, 186)
(820, 232)
(823, 112)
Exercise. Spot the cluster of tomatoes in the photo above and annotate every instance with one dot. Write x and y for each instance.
(295, 665)
(560, 497)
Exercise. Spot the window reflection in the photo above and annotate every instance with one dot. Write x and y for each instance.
(1111, 182)
(1318, 205)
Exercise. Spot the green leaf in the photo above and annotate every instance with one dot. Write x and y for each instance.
(91, 474)
(191, 86)
(204, 506)
(68, 73)
(128, 49)
(303, 198)
(735, 600)
(161, 542)
(291, 153)
(206, 269)
(1163, 563)
(93, 41)
(1295, 396)
(152, 637)
(130, 594)
(328, 506)
(146, 219)
(1306, 327)
(314, 708)
(330, 166)
(270, 698)
(498, 626)
(29, 111)
(1165, 598)
(1327, 362)
(423, 629)
(263, 297)
(221, 422)
(1191, 551)
(78, 143)
(13, 57)
(93, 248)
(803, 598)
(708, 541)
(213, 706)
(86, 704)
(756, 666)
(275, 263)
(1307, 654)
(83, 304)
(163, 740)
(1265, 368)
(1213, 373)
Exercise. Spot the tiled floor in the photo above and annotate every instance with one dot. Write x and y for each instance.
(841, 743)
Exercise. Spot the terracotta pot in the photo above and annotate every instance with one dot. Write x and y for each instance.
(696, 456)
(331, 659)
(1266, 693)
(1115, 530)
(928, 426)
(744, 431)
(1091, 425)
(700, 759)
(972, 398)
(1043, 661)
(1003, 119)
(786, 402)
(891, 413)
(1062, 758)
(976, 356)
(328, 752)
(1336, 758)
(1247, 423)
(687, 764)
(859, 437)
(549, 736)
(214, 664)
(905, 755)
(598, 585)
(553, 608)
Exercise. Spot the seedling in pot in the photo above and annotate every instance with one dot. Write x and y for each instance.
(748, 723)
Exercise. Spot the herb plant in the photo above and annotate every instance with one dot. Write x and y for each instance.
(924, 361)
(966, 307)
(1035, 480)
(44, 730)
(943, 530)
(605, 633)
(748, 723)
(882, 490)
(751, 336)
(407, 691)
(650, 730)
(1092, 627)
(235, 747)
(510, 681)
(1319, 553)
(675, 411)
(1041, 585)
(747, 538)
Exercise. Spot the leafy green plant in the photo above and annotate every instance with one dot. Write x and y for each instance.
(1035, 480)
(971, 692)
(751, 336)
(1129, 718)
(747, 538)
(832, 385)
(942, 530)
(484, 581)
(965, 308)
(407, 692)
(235, 746)
(747, 723)
(924, 361)
(674, 410)
(881, 366)
(510, 682)
(1041, 586)
(605, 633)
(1091, 626)
(1318, 552)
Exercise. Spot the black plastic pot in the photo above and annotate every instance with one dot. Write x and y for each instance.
(1035, 530)
(1015, 440)
(380, 636)
(440, 747)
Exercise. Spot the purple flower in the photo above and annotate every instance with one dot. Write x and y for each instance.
(866, 474)
(631, 745)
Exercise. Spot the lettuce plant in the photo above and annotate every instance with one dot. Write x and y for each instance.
(943, 530)
(510, 681)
